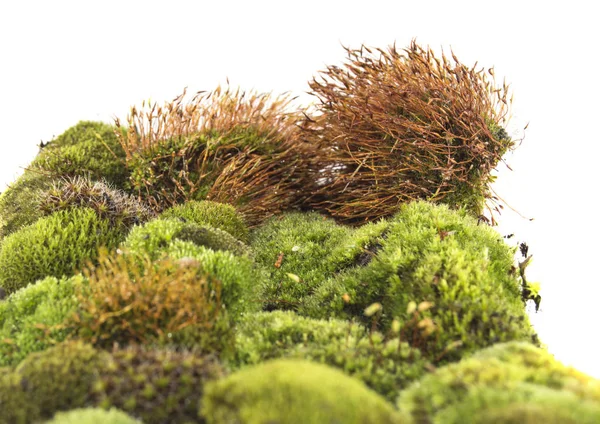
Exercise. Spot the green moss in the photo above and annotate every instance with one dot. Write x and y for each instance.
(121, 209)
(87, 149)
(30, 318)
(82, 150)
(301, 250)
(293, 391)
(19, 202)
(57, 379)
(152, 238)
(135, 384)
(460, 274)
(54, 246)
(213, 214)
(93, 416)
(212, 238)
(75, 375)
(238, 275)
(383, 364)
(507, 381)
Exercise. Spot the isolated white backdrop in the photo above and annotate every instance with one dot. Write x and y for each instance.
(65, 61)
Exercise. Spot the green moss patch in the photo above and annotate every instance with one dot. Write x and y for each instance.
(294, 391)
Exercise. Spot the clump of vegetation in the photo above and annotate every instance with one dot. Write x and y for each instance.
(217, 215)
(31, 318)
(93, 416)
(164, 302)
(293, 391)
(232, 147)
(57, 379)
(157, 235)
(56, 245)
(155, 385)
(385, 364)
(121, 209)
(301, 250)
(89, 149)
(448, 283)
(511, 382)
(395, 126)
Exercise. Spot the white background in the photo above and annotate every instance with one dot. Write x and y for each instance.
(61, 62)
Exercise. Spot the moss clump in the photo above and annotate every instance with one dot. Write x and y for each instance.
(213, 214)
(509, 383)
(93, 416)
(19, 202)
(384, 364)
(157, 386)
(212, 238)
(57, 379)
(449, 283)
(156, 236)
(121, 209)
(397, 126)
(238, 276)
(88, 149)
(293, 391)
(301, 250)
(240, 148)
(162, 302)
(54, 246)
(31, 318)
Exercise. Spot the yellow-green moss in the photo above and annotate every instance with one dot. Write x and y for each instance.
(54, 246)
(294, 391)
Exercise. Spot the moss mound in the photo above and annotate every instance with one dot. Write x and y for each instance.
(54, 246)
(31, 318)
(158, 303)
(293, 391)
(122, 210)
(383, 363)
(509, 382)
(301, 250)
(449, 283)
(397, 126)
(93, 416)
(157, 386)
(88, 149)
(206, 213)
(155, 237)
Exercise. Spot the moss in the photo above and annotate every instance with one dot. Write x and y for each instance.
(57, 379)
(19, 202)
(158, 386)
(301, 250)
(153, 237)
(213, 238)
(293, 391)
(383, 364)
(238, 275)
(163, 302)
(93, 416)
(30, 318)
(87, 149)
(509, 381)
(121, 209)
(213, 214)
(458, 277)
(54, 246)
(79, 151)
